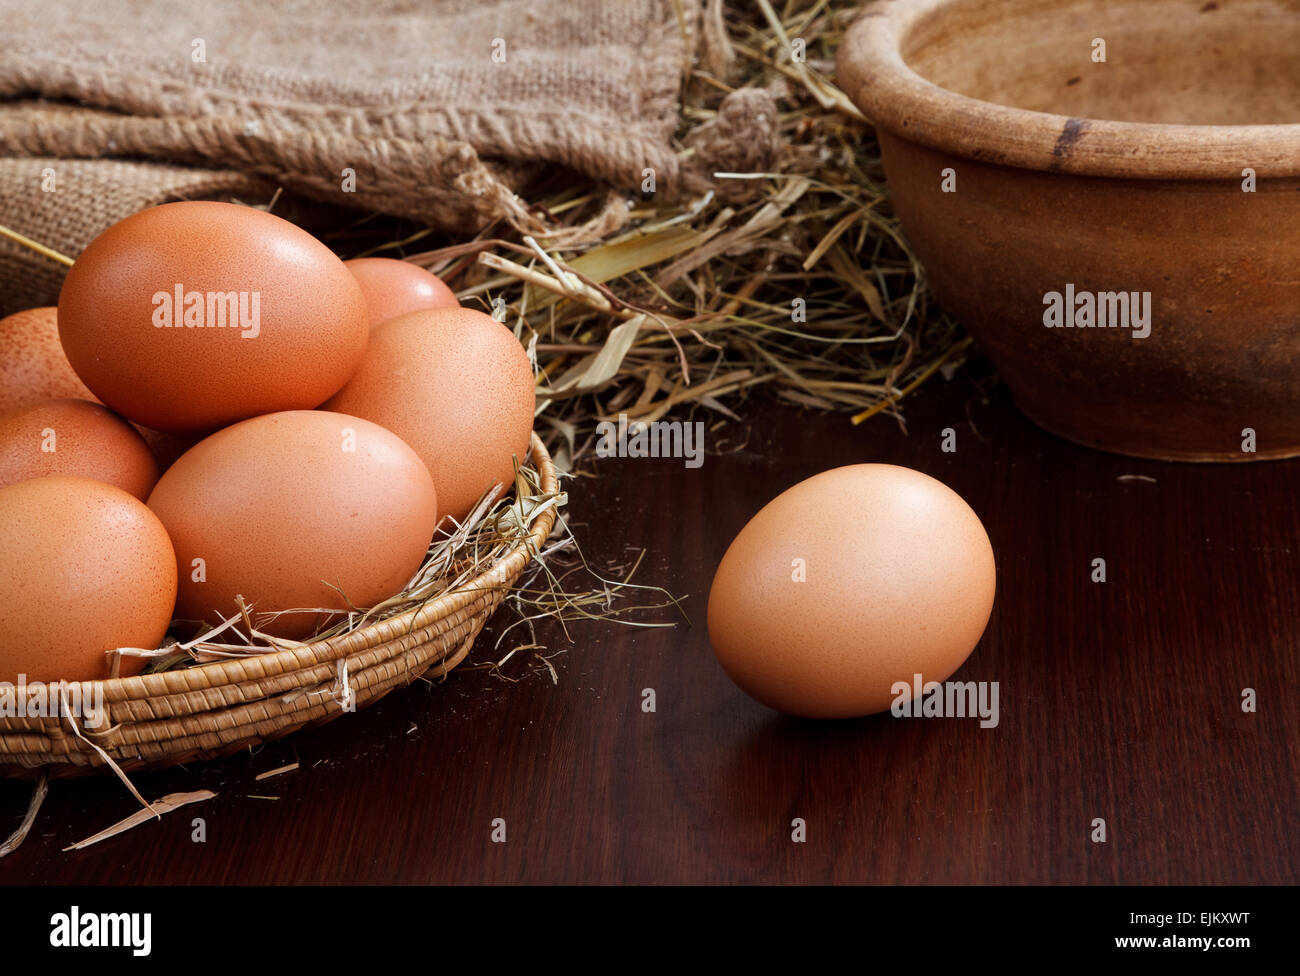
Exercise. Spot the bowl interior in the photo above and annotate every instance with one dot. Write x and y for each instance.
(1185, 62)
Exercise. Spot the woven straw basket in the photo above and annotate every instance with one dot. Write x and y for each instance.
(214, 710)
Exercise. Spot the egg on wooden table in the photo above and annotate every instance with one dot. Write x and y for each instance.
(33, 365)
(848, 585)
(301, 510)
(79, 438)
(191, 316)
(394, 288)
(84, 568)
(457, 386)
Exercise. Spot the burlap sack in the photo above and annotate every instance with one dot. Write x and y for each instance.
(88, 196)
(419, 108)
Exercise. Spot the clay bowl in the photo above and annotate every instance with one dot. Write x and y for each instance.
(1105, 177)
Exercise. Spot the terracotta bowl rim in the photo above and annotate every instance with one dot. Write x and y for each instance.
(871, 70)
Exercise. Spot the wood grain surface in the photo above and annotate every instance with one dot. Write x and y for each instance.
(1119, 700)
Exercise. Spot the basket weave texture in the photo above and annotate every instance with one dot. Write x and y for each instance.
(214, 710)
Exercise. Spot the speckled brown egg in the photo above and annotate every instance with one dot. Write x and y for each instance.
(84, 568)
(847, 586)
(192, 316)
(75, 437)
(32, 362)
(457, 386)
(301, 510)
(394, 288)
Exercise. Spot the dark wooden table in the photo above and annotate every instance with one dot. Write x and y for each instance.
(1119, 701)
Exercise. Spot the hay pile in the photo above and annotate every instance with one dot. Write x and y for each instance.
(792, 278)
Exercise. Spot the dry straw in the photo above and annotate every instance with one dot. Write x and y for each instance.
(793, 279)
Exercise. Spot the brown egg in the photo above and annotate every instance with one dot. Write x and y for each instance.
(84, 568)
(289, 509)
(33, 366)
(457, 386)
(394, 288)
(191, 316)
(846, 585)
(75, 437)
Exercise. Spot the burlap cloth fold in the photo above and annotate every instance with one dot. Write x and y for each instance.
(428, 109)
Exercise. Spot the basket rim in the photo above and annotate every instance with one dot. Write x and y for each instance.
(215, 674)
